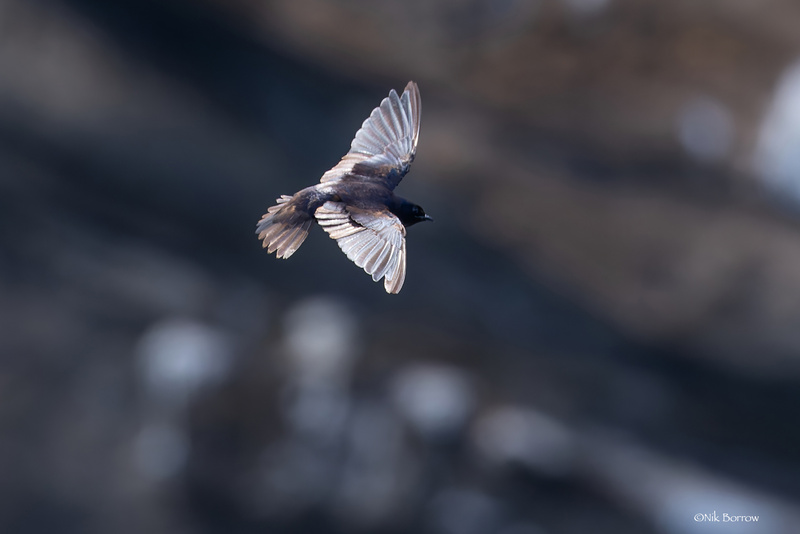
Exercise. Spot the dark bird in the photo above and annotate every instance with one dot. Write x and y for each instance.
(355, 201)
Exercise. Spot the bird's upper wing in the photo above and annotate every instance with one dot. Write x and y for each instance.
(385, 145)
(373, 239)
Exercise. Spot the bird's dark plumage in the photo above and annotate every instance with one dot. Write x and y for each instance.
(355, 201)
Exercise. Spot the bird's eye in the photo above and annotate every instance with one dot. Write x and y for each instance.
(417, 210)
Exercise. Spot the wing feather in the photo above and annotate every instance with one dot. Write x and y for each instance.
(386, 143)
(364, 258)
(373, 239)
(381, 262)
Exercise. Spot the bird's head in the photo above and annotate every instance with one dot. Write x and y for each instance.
(412, 214)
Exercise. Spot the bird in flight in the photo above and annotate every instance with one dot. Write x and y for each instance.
(355, 201)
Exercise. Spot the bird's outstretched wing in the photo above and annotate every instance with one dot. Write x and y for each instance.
(375, 240)
(384, 147)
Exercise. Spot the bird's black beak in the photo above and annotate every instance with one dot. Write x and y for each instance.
(427, 218)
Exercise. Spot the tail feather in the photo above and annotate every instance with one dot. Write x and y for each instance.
(280, 202)
(283, 228)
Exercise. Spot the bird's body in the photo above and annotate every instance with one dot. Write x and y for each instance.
(355, 201)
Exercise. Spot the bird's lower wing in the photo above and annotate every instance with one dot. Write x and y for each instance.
(373, 239)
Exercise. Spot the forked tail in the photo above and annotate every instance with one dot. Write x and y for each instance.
(284, 227)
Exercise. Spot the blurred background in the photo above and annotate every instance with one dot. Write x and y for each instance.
(599, 333)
